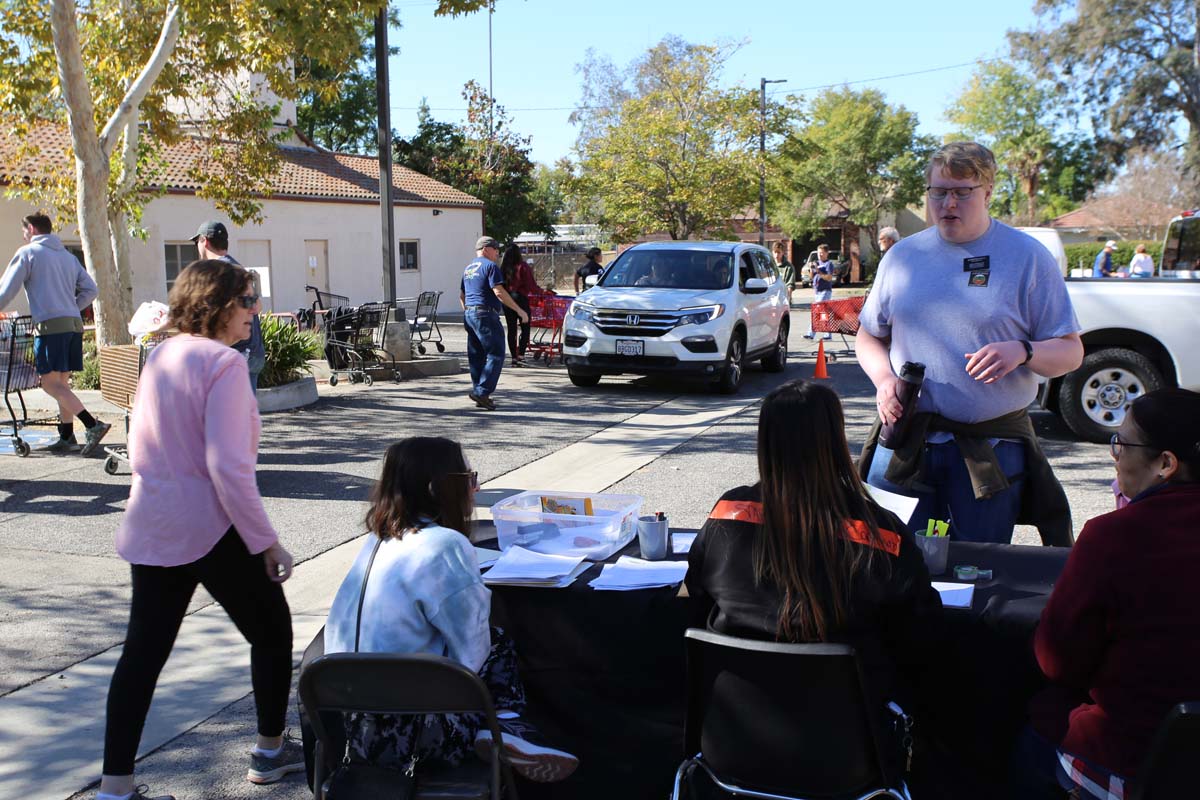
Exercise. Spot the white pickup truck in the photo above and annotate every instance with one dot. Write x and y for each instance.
(1139, 334)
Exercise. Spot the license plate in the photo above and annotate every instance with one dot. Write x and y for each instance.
(630, 347)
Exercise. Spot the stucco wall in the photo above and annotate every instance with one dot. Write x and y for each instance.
(446, 243)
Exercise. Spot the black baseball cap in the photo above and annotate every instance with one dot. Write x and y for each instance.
(212, 230)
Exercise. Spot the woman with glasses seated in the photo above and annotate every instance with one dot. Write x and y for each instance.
(195, 517)
(418, 584)
(1119, 639)
(805, 555)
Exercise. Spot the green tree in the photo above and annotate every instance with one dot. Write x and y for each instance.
(856, 153)
(664, 148)
(1010, 112)
(1132, 65)
(129, 77)
(483, 157)
(339, 111)
(557, 190)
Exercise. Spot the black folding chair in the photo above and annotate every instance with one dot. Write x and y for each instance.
(781, 721)
(384, 683)
(1168, 771)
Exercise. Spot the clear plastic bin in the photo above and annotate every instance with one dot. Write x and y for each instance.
(612, 524)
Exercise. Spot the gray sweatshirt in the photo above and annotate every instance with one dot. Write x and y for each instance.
(56, 284)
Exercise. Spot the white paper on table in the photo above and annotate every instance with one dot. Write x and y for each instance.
(682, 542)
(955, 595)
(898, 504)
(635, 573)
(542, 583)
(486, 556)
(526, 566)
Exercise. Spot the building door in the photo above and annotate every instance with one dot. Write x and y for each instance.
(316, 252)
(255, 255)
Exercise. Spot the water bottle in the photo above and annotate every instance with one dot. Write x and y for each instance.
(912, 374)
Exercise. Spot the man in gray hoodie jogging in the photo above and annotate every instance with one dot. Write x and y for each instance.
(58, 288)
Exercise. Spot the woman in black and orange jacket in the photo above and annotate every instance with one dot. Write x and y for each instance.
(805, 555)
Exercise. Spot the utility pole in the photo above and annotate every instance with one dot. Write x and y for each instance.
(491, 93)
(384, 137)
(762, 167)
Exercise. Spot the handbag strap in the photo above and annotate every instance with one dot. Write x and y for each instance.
(362, 595)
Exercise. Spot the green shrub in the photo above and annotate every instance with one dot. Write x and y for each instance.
(89, 378)
(1083, 254)
(288, 351)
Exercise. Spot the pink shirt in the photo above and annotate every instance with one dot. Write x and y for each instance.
(193, 444)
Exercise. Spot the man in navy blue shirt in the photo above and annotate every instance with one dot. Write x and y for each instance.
(1102, 267)
(482, 294)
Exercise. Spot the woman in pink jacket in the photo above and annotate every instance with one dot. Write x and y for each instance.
(195, 518)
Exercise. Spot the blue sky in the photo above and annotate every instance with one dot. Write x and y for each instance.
(538, 43)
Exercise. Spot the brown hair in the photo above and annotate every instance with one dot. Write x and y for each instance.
(1170, 419)
(424, 480)
(964, 161)
(810, 491)
(39, 222)
(204, 295)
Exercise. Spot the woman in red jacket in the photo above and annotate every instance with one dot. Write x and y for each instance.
(518, 279)
(1119, 639)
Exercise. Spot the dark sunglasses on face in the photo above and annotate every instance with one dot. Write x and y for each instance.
(248, 300)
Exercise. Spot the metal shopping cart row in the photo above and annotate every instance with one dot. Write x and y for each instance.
(18, 373)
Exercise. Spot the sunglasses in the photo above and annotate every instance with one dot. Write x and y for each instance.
(473, 475)
(1115, 445)
(248, 300)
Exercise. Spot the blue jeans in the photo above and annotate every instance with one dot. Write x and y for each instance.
(943, 491)
(485, 349)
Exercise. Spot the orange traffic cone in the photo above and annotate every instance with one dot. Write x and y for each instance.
(821, 372)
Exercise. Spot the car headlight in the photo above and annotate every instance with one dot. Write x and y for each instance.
(582, 311)
(700, 315)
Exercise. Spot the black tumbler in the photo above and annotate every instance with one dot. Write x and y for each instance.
(912, 374)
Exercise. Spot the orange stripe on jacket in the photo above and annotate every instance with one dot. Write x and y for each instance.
(856, 530)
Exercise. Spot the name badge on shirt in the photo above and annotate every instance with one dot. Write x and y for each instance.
(979, 278)
(977, 264)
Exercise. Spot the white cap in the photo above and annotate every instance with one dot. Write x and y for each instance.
(1111, 243)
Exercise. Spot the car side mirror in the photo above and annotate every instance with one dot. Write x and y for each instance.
(754, 286)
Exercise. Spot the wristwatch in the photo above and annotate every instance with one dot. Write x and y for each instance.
(1028, 352)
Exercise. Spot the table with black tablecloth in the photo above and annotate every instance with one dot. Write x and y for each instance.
(605, 672)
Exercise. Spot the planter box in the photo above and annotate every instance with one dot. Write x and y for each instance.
(291, 395)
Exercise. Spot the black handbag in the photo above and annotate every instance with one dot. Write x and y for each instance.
(358, 781)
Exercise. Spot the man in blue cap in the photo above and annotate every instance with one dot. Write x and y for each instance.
(482, 294)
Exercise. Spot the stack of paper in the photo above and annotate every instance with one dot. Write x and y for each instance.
(955, 595)
(635, 573)
(520, 567)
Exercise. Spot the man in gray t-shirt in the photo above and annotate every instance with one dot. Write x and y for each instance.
(984, 307)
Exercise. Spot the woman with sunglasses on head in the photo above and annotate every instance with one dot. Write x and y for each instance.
(1119, 638)
(195, 517)
(418, 584)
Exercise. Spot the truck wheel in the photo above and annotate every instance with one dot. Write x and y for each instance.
(731, 376)
(1094, 399)
(583, 381)
(777, 360)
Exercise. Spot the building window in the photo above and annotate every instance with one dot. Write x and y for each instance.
(178, 255)
(407, 258)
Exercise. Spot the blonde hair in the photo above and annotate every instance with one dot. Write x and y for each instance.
(1141, 248)
(964, 160)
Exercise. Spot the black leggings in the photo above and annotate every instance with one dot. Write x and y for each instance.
(510, 319)
(238, 581)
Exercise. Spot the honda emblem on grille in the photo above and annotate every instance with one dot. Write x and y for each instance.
(632, 319)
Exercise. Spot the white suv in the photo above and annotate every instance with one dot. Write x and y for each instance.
(699, 309)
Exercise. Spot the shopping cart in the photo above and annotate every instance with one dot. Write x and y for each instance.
(421, 313)
(840, 317)
(546, 315)
(354, 342)
(120, 369)
(310, 318)
(18, 373)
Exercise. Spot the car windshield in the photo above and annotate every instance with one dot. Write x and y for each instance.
(670, 269)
